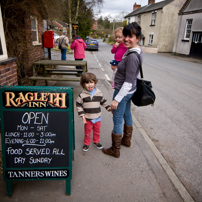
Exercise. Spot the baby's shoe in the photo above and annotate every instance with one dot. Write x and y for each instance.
(114, 62)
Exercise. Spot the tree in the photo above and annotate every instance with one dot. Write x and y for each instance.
(106, 23)
(124, 23)
(100, 21)
(85, 19)
(74, 10)
(120, 16)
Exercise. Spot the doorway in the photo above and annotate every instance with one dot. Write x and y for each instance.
(196, 45)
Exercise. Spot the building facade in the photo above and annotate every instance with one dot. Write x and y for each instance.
(188, 40)
(158, 22)
(22, 44)
(8, 66)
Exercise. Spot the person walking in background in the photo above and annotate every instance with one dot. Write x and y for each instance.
(88, 107)
(79, 46)
(63, 44)
(118, 49)
(125, 86)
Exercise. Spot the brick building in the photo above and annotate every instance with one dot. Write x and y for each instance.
(8, 72)
(8, 66)
(35, 50)
(16, 63)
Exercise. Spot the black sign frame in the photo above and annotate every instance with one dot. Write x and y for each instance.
(37, 132)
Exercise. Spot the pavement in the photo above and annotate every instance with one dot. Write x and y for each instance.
(141, 174)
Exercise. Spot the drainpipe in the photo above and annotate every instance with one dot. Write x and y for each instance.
(178, 34)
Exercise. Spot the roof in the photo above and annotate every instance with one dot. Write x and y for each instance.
(62, 24)
(149, 8)
(191, 6)
(51, 24)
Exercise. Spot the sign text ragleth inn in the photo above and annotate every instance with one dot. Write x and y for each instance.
(35, 99)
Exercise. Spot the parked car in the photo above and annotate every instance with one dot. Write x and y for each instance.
(56, 37)
(92, 44)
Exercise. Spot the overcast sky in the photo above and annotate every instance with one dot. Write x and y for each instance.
(115, 7)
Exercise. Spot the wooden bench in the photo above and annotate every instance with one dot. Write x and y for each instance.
(49, 68)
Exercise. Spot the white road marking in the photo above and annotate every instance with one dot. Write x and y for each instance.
(102, 69)
(107, 77)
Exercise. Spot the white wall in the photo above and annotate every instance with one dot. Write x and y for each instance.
(181, 46)
(169, 25)
(3, 56)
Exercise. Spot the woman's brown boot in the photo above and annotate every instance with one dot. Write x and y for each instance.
(114, 150)
(127, 135)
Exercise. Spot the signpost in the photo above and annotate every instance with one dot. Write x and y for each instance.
(75, 27)
(37, 131)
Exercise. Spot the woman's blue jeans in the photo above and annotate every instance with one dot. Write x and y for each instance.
(63, 54)
(123, 112)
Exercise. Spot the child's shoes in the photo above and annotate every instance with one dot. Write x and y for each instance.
(85, 147)
(98, 145)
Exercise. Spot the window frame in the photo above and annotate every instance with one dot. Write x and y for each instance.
(139, 19)
(151, 39)
(188, 29)
(4, 54)
(36, 42)
(153, 19)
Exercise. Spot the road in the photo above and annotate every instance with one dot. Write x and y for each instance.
(174, 123)
(144, 171)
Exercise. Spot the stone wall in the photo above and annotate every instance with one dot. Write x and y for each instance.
(168, 27)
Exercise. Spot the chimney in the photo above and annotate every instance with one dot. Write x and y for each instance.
(151, 2)
(136, 6)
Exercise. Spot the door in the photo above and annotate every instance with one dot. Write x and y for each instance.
(196, 46)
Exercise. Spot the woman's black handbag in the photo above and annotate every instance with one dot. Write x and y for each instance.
(144, 94)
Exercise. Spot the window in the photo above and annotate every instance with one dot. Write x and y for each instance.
(153, 20)
(151, 37)
(197, 38)
(188, 29)
(3, 50)
(139, 19)
(34, 29)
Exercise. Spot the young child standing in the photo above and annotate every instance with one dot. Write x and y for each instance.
(88, 107)
(118, 49)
